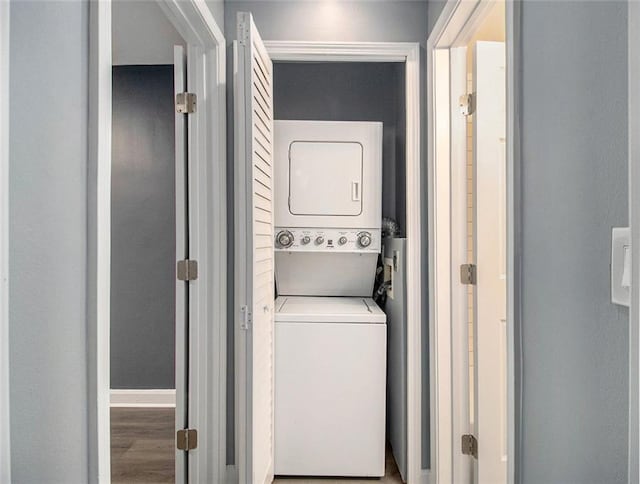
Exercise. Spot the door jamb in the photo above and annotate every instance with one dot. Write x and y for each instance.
(5, 421)
(462, 465)
(408, 53)
(458, 17)
(207, 408)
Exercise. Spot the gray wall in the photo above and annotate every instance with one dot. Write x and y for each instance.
(47, 238)
(341, 20)
(143, 228)
(142, 33)
(217, 9)
(352, 92)
(344, 20)
(574, 176)
(434, 8)
(634, 204)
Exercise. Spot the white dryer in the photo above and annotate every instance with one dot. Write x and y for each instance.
(330, 367)
(328, 174)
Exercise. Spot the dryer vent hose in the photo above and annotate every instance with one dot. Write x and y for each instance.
(390, 227)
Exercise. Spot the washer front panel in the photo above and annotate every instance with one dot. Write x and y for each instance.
(329, 240)
(330, 383)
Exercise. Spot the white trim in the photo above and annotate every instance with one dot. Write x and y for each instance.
(194, 22)
(634, 223)
(409, 53)
(431, 224)
(439, 270)
(303, 51)
(514, 230)
(5, 443)
(414, 266)
(163, 398)
(452, 30)
(99, 240)
(462, 466)
(207, 364)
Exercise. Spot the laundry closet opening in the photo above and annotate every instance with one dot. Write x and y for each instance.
(340, 312)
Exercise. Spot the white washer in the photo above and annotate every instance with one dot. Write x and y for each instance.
(330, 367)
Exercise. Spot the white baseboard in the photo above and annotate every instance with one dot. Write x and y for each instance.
(143, 398)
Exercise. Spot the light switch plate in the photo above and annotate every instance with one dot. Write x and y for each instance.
(621, 266)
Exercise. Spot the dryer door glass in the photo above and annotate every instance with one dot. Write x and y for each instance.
(325, 178)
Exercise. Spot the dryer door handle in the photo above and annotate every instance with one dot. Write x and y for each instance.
(355, 191)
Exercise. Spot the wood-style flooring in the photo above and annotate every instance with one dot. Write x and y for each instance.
(142, 450)
(391, 476)
(142, 445)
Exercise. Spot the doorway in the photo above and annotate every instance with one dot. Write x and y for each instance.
(147, 238)
(143, 299)
(472, 211)
(352, 95)
(197, 106)
(254, 319)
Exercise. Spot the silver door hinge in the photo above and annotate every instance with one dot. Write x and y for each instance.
(469, 445)
(245, 321)
(467, 103)
(468, 274)
(186, 102)
(244, 27)
(187, 270)
(187, 439)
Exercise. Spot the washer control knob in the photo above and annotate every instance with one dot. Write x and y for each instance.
(284, 238)
(305, 240)
(319, 240)
(364, 239)
(342, 240)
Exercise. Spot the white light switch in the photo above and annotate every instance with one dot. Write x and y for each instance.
(621, 265)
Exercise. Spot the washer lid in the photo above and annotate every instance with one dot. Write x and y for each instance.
(303, 309)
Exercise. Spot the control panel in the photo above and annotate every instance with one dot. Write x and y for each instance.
(338, 240)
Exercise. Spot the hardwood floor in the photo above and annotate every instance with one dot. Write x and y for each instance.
(142, 450)
(142, 445)
(391, 476)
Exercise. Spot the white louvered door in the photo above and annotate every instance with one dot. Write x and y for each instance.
(253, 114)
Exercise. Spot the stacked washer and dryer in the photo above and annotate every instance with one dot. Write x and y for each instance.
(330, 336)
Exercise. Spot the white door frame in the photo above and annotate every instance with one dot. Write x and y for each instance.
(634, 223)
(5, 443)
(207, 203)
(452, 29)
(409, 54)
